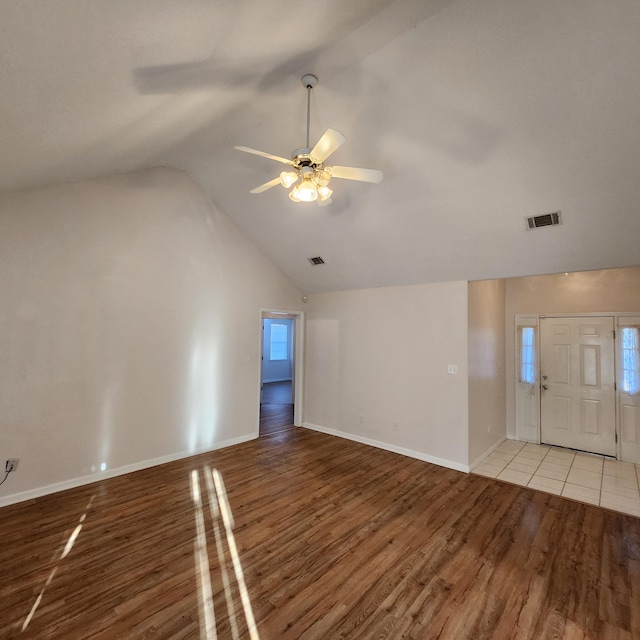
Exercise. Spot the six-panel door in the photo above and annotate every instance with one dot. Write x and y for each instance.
(577, 396)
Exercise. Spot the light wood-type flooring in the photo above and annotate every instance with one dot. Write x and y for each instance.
(315, 537)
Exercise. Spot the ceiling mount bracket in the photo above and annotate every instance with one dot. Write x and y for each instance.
(309, 81)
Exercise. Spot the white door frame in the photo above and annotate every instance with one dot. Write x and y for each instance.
(526, 318)
(298, 361)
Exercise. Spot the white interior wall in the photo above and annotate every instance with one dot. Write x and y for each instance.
(487, 394)
(608, 290)
(129, 328)
(383, 354)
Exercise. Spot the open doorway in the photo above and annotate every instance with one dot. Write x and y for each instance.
(278, 379)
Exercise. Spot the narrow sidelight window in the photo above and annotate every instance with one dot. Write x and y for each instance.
(630, 360)
(527, 342)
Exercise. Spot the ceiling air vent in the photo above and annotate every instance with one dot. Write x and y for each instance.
(545, 220)
(316, 261)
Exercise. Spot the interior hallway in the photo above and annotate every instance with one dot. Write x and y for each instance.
(276, 407)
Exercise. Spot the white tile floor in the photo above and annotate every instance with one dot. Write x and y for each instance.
(580, 476)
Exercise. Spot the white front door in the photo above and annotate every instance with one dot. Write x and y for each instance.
(577, 375)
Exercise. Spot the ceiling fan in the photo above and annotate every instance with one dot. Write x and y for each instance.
(309, 178)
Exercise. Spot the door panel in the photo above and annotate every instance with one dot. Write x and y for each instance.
(560, 414)
(561, 372)
(590, 365)
(630, 423)
(577, 402)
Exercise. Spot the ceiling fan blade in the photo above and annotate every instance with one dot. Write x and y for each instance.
(266, 185)
(264, 155)
(328, 143)
(353, 173)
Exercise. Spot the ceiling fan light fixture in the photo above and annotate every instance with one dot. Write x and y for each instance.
(288, 179)
(324, 193)
(310, 178)
(322, 178)
(304, 192)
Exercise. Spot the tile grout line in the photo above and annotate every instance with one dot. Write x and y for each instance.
(512, 459)
(564, 482)
(539, 463)
(506, 465)
(601, 476)
(601, 483)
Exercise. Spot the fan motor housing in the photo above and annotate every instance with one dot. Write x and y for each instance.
(301, 158)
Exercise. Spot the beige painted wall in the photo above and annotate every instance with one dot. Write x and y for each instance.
(609, 290)
(129, 327)
(487, 394)
(383, 354)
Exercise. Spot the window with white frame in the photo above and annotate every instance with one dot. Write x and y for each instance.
(527, 341)
(630, 360)
(278, 343)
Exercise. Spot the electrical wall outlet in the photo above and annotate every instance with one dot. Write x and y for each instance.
(11, 465)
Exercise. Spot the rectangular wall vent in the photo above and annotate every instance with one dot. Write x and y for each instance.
(545, 220)
(316, 261)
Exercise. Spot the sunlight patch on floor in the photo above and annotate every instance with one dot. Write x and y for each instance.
(221, 519)
(65, 552)
(205, 597)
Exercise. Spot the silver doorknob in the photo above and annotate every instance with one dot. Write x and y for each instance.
(545, 387)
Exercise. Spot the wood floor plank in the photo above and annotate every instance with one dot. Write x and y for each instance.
(334, 540)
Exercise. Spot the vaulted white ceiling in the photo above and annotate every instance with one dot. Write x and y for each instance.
(479, 113)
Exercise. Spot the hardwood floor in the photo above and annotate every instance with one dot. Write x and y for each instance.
(277, 393)
(275, 418)
(334, 540)
(276, 408)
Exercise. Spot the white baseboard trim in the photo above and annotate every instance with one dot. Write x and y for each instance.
(486, 454)
(389, 447)
(118, 471)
